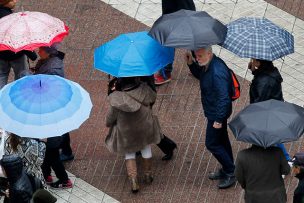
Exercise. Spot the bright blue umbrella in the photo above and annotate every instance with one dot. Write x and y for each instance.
(132, 54)
(42, 106)
(258, 38)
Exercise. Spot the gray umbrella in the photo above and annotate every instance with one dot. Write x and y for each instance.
(188, 29)
(269, 123)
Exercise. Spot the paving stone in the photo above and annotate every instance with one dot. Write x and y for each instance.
(184, 179)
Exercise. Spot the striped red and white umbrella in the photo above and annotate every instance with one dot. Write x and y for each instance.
(30, 30)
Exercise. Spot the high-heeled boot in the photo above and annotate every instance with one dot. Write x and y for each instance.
(147, 168)
(132, 174)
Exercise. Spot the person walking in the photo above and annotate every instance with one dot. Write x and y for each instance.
(298, 171)
(216, 90)
(171, 6)
(31, 151)
(259, 172)
(20, 188)
(166, 145)
(51, 63)
(266, 85)
(133, 127)
(8, 59)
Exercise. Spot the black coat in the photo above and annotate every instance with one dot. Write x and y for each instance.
(9, 55)
(298, 196)
(20, 188)
(265, 86)
(259, 171)
(215, 84)
(171, 6)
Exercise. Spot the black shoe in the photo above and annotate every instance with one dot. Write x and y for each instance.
(64, 157)
(168, 156)
(167, 146)
(227, 182)
(218, 175)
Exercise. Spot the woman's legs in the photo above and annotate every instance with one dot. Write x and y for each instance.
(132, 171)
(147, 164)
(52, 160)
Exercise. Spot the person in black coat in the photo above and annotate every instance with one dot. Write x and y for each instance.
(51, 63)
(298, 170)
(9, 59)
(20, 188)
(266, 84)
(171, 6)
(216, 90)
(259, 172)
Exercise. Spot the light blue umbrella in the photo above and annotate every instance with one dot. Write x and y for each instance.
(42, 106)
(132, 54)
(258, 38)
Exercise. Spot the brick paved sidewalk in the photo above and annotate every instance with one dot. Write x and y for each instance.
(183, 179)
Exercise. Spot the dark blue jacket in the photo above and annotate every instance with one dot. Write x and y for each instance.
(216, 87)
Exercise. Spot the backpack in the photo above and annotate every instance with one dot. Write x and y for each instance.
(236, 87)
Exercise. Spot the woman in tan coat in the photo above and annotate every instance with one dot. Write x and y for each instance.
(133, 127)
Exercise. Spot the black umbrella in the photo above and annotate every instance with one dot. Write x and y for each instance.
(188, 29)
(269, 123)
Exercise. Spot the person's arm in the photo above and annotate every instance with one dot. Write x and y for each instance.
(31, 55)
(239, 172)
(195, 69)
(222, 85)
(284, 166)
(111, 117)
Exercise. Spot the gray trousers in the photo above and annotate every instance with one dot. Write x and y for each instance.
(19, 66)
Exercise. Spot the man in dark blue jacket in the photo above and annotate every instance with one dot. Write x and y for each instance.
(216, 89)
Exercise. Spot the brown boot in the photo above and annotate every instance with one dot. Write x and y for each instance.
(132, 173)
(147, 168)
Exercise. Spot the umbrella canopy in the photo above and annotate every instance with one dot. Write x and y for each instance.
(258, 38)
(30, 30)
(132, 54)
(269, 123)
(188, 29)
(43, 106)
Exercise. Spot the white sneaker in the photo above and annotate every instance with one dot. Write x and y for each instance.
(283, 176)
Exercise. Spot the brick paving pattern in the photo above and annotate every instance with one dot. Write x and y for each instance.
(184, 179)
(294, 7)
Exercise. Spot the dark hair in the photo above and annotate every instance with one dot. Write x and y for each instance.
(266, 65)
(127, 83)
(14, 141)
(149, 80)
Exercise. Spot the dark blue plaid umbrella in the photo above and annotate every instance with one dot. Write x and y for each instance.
(258, 38)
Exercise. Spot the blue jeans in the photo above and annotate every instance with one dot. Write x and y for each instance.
(284, 151)
(218, 143)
